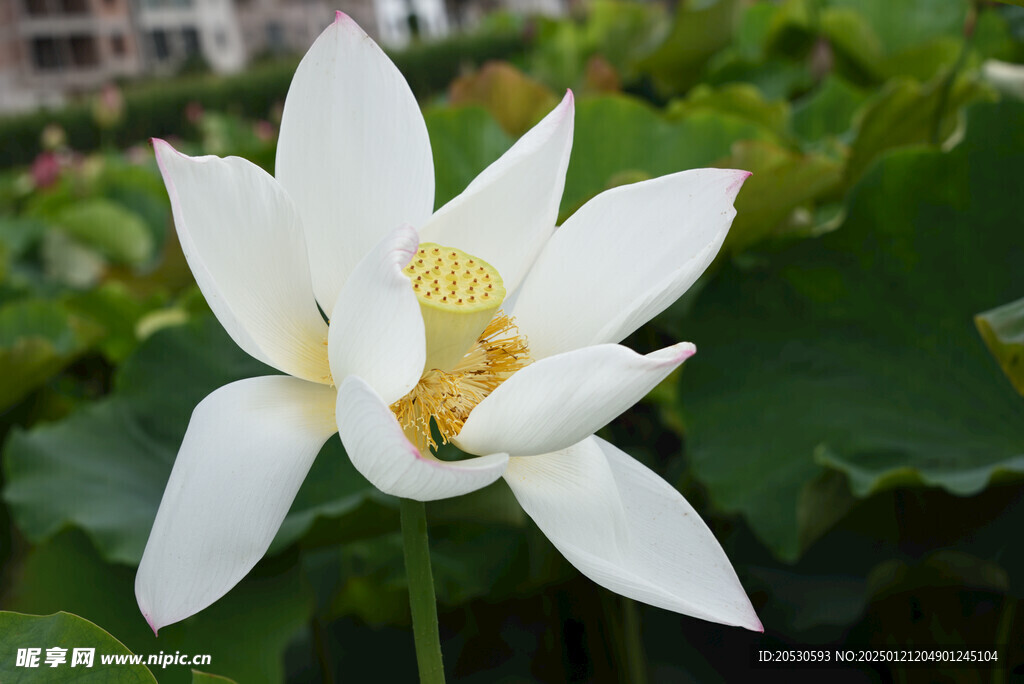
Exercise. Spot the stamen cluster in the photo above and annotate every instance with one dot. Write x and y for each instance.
(449, 397)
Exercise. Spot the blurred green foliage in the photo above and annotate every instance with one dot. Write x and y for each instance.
(859, 352)
(850, 428)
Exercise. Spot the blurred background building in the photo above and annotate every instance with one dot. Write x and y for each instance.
(53, 49)
(172, 32)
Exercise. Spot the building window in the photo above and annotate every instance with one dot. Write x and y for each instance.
(166, 3)
(190, 39)
(75, 6)
(158, 43)
(84, 52)
(36, 8)
(275, 36)
(46, 54)
(118, 45)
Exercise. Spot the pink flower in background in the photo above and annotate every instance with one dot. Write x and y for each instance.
(45, 169)
(264, 130)
(193, 112)
(108, 106)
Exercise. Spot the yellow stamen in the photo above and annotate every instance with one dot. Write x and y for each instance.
(449, 397)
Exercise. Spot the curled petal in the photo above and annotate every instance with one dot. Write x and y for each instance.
(562, 399)
(634, 535)
(244, 243)
(376, 327)
(623, 257)
(247, 449)
(509, 211)
(353, 153)
(379, 450)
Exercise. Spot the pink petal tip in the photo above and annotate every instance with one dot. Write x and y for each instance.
(737, 183)
(152, 626)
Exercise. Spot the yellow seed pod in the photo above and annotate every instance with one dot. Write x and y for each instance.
(458, 294)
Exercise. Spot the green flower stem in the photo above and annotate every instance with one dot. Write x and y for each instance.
(636, 658)
(1004, 631)
(421, 592)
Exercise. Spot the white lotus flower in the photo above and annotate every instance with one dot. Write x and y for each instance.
(523, 388)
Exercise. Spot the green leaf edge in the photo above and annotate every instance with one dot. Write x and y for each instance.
(89, 623)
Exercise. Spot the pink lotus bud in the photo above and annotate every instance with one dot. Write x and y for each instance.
(45, 170)
(194, 112)
(108, 106)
